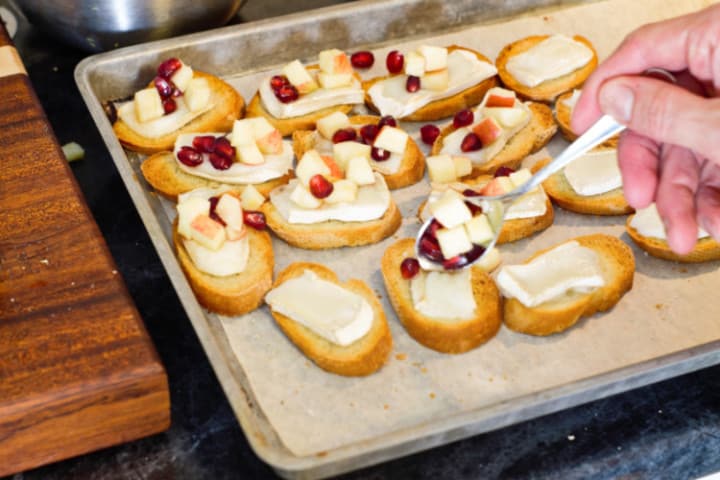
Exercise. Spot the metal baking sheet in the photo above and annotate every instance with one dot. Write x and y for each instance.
(645, 339)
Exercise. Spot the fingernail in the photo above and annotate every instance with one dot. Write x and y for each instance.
(617, 100)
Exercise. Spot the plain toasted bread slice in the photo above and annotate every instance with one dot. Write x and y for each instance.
(441, 334)
(234, 294)
(608, 203)
(163, 173)
(548, 90)
(228, 106)
(563, 114)
(333, 233)
(531, 138)
(706, 249)
(618, 268)
(412, 165)
(444, 107)
(362, 357)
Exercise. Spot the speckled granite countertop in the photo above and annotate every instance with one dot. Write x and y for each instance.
(666, 430)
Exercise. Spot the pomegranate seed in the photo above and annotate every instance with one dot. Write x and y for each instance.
(168, 67)
(433, 228)
(320, 186)
(409, 268)
(471, 143)
(223, 148)
(379, 155)
(213, 214)
(164, 87)
(169, 105)
(189, 156)
(278, 81)
(395, 61)
(254, 219)
(363, 59)
(469, 192)
(344, 135)
(287, 93)
(474, 209)
(368, 133)
(412, 84)
(204, 143)
(220, 162)
(458, 261)
(463, 118)
(429, 133)
(503, 172)
(387, 120)
(473, 254)
(430, 248)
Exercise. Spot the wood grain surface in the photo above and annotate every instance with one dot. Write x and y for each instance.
(78, 371)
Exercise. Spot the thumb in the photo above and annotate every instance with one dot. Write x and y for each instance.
(664, 112)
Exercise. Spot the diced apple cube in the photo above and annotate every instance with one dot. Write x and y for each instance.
(479, 230)
(498, 186)
(508, 117)
(450, 209)
(334, 62)
(344, 151)
(187, 211)
(310, 164)
(336, 173)
(487, 131)
(344, 191)
(302, 197)
(182, 76)
(242, 133)
(148, 105)
(437, 81)
(298, 75)
(334, 80)
(197, 94)
(391, 139)
(330, 124)
(230, 210)
(500, 92)
(251, 199)
(249, 154)
(435, 57)
(497, 100)
(453, 142)
(359, 171)
(207, 232)
(453, 241)
(441, 168)
(414, 64)
(267, 137)
(520, 177)
(463, 166)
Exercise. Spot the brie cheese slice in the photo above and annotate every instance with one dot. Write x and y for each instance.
(648, 223)
(445, 295)
(160, 126)
(594, 173)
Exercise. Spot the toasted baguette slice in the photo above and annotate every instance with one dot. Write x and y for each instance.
(550, 89)
(618, 268)
(412, 165)
(234, 294)
(531, 138)
(228, 106)
(162, 172)
(706, 249)
(333, 233)
(364, 356)
(445, 107)
(563, 114)
(441, 334)
(608, 203)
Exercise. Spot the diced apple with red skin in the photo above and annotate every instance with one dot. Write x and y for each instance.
(487, 130)
(330, 124)
(441, 168)
(453, 241)
(267, 137)
(435, 57)
(450, 209)
(249, 154)
(334, 80)
(344, 151)
(498, 186)
(230, 210)
(311, 164)
(336, 173)
(299, 77)
(414, 64)
(251, 199)
(302, 197)
(344, 191)
(437, 81)
(197, 94)
(182, 76)
(148, 105)
(207, 232)
(463, 166)
(359, 171)
(500, 101)
(391, 139)
(335, 62)
(479, 230)
(508, 117)
(188, 209)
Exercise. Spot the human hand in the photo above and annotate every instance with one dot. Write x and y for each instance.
(670, 153)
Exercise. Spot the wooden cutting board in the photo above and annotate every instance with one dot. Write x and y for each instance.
(78, 371)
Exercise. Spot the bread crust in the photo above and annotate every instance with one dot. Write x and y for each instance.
(333, 233)
(548, 90)
(531, 138)
(618, 267)
(364, 356)
(442, 335)
(235, 294)
(607, 204)
(444, 107)
(563, 115)
(228, 106)
(412, 165)
(163, 173)
(706, 249)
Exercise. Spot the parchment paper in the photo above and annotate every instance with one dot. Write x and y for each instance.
(670, 308)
